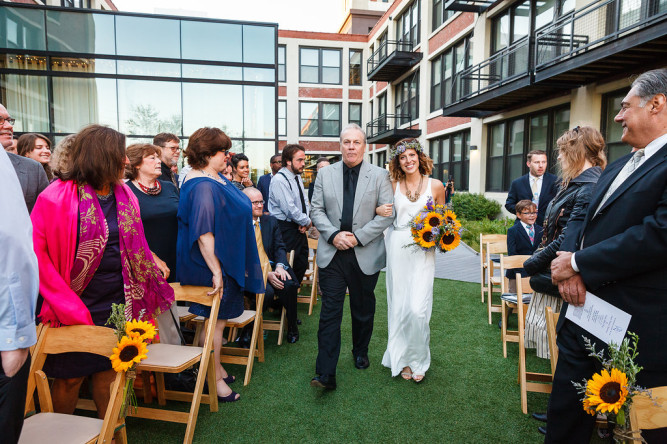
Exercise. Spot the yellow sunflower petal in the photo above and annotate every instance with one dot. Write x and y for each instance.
(433, 219)
(449, 241)
(425, 238)
(127, 352)
(142, 329)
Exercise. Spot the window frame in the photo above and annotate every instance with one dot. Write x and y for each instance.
(359, 68)
(612, 146)
(408, 12)
(349, 113)
(282, 103)
(439, 101)
(282, 66)
(320, 65)
(401, 102)
(440, 14)
(320, 120)
(437, 143)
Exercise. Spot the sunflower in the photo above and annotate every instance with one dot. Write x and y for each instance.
(425, 238)
(433, 219)
(141, 329)
(127, 352)
(588, 408)
(450, 218)
(607, 392)
(449, 240)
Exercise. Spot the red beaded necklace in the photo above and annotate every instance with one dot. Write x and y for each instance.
(152, 191)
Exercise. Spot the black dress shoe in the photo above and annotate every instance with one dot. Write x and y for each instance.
(292, 336)
(542, 429)
(324, 381)
(540, 416)
(298, 322)
(361, 362)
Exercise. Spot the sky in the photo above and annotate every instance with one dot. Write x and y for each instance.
(301, 15)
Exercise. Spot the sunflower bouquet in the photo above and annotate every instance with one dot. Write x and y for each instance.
(609, 393)
(435, 227)
(133, 337)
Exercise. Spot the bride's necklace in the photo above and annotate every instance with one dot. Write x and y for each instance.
(151, 191)
(408, 193)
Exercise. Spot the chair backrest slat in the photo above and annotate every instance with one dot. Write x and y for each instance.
(193, 293)
(98, 340)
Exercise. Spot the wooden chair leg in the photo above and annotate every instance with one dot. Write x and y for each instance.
(212, 387)
(282, 326)
(159, 383)
(121, 435)
(260, 339)
(252, 351)
(503, 330)
(148, 396)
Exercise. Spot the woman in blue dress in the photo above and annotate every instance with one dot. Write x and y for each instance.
(216, 241)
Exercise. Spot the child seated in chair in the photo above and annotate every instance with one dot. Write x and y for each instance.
(523, 237)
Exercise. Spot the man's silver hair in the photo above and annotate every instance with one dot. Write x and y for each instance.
(350, 126)
(250, 190)
(649, 84)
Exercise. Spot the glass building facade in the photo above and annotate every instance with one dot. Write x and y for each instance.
(140, 74)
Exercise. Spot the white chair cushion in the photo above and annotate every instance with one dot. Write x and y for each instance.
(167, 355)
(245, 317)
(56, 428)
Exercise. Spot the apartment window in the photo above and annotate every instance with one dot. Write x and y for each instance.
(407, 98)
(510, 26)
(408, 24)
(281, 63)
(451, 158)
(612, 131)
(320, 119)
(75, 4)
(443, 70)
(320, 65)
(510, 141)
(381, 159)
(355, 113)
(355, 66)
(282, 118)
(440, 14)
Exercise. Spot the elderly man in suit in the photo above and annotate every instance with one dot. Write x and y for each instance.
(537, 186)
(620, 257)
(350, 250)
(30, 173)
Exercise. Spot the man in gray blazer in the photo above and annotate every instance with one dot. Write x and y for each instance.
(30, 173)
(350, 250)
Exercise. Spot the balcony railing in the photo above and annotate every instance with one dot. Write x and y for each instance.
(592, 26)
(391, 59)
(386, 129)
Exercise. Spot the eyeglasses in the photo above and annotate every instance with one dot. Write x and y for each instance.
(576, 129)
(257, 203)
(276, 161)
(8, 119)
(529, 213)
(173, 148)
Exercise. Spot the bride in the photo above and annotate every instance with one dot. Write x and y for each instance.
(410, 272)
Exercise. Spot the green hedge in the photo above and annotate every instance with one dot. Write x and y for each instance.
(471, 206)
(473, 228)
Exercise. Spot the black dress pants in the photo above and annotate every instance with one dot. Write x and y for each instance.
(297, 241)
(341, 274)
(12, 403)
(286, 295)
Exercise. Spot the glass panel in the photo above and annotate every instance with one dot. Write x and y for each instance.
(282, 118)
(501, 32)
(331, 111)
(330, 128)
(12, 61)
(309, 74)
(457, 151)
(219, 106)
(330, 57)
(281, 63)
(539, 125)
(201, 41)
(614, 131)
(22, 28)
(259, 153)
(259, 44)
(566, 6)
(212, 72)
(26, 99)
(630, 13)
(355, 67)
(76, 64)
(78, 102)
(562, 122)
(80, 33)
(545, 12)
(515, 166)
(259, 75)
(148, 37)
(149, 107)
(331, 75)
(516, 137)
(310, 57)
(355, 112)
(309, 116)
(434, 151)
(446, 143)
(521, 21)
(134, 68)
(259, 111)
(495, 174)
(497, 140)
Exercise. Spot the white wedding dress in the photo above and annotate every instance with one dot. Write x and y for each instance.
(410, 274)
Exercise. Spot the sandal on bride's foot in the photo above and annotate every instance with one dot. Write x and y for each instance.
(417, 378)
(406, 373)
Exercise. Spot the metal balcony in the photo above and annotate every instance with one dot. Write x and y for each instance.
(391, 60)
(386, 129)
(477, 6)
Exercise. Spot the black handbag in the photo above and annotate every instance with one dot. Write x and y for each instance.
(541, 283)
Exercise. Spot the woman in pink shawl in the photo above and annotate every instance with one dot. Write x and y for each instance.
(92, 252)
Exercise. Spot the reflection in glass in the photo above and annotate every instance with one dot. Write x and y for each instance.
(259, 44)
(219, 106)
(501, 33)
(281, 63)
(212, 72)
(331, 66)
(562, 122)
(309, 118)
(538, 132)
(78, 102)
(258, 75)
(259, 111)
(148, 37)
(259, 153)
(27, 100)
(521, 21)
(204, 41)
(135, 68)
(355, 113)
(13, 61)
(330, 119)
(355, 67)
(147, 107)
(282, 118)
(309, 65)
(545, 11)
(77, 64)
(516, 137)
(80, 33)
(22, 28)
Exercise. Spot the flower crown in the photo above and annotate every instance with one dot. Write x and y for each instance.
(407, 145)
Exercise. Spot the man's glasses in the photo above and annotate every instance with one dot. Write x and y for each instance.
(173, 148)
(257, 203)
(8, 119)
(276, 161)
(529, 213)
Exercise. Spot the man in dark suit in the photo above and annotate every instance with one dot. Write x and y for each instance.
(282, 280)
(265, 181)
(537, 186)
(30, 173)
(620, 257)
(523, 237)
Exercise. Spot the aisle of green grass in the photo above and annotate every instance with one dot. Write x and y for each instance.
(470, 393)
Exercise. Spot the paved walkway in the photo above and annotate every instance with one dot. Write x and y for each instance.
(462, 264)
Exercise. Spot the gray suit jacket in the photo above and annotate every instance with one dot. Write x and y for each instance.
(32, 178)
(373, 189)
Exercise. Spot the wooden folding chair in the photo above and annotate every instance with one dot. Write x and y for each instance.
(246, 356)
(51, 427)
(552, 320)
(281, 324)
(648, 414)
(508, 300)
(310, 278)
(483, 240)
(494, 282)
(168, 358)
(528, 381)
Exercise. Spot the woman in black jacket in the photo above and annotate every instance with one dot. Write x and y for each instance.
(581, 159)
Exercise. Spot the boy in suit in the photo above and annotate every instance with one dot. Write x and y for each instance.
(523, 237)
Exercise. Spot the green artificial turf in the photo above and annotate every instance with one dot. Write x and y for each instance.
(470, 394)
